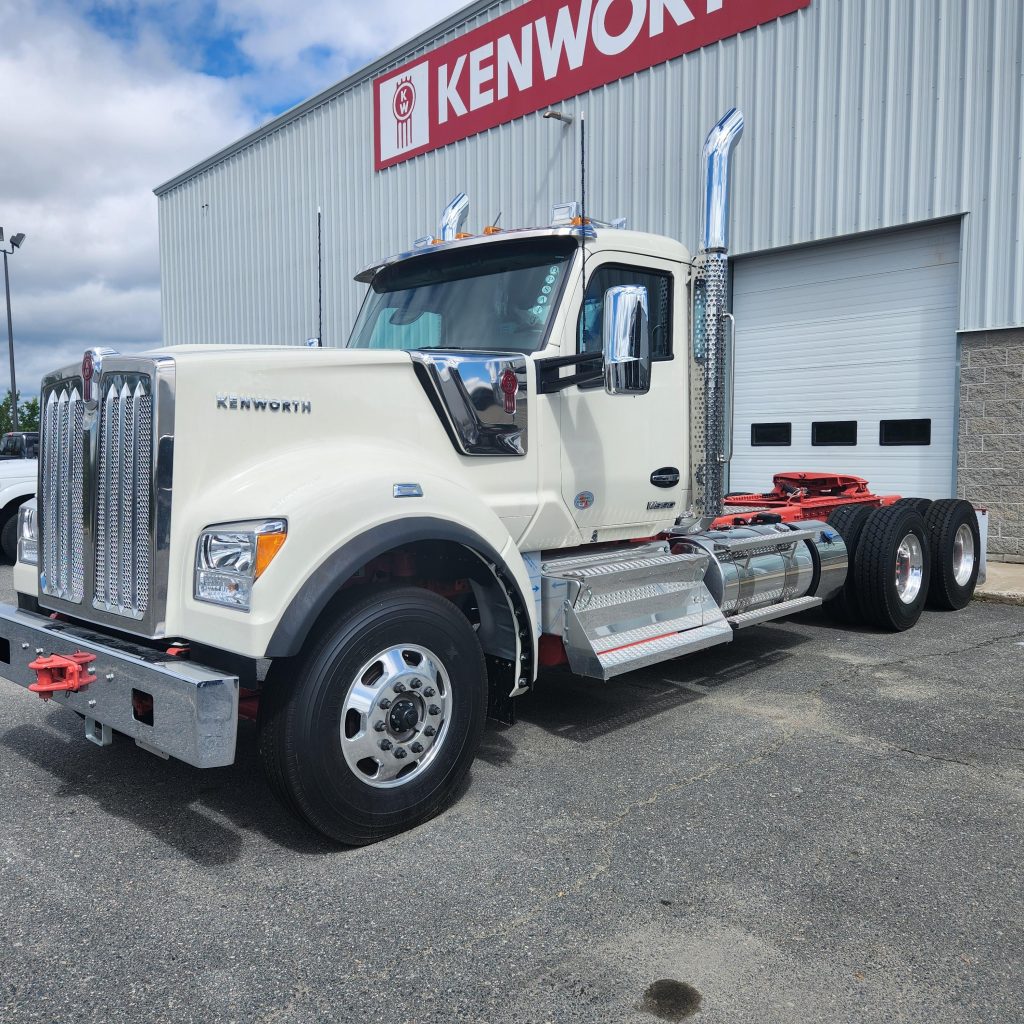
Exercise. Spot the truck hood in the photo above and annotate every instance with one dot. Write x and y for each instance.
(281, 357)
(18, 469)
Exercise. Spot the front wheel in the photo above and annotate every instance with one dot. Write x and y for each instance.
(9, 537)
(371, 732)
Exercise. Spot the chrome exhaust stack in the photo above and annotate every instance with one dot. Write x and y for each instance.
(454, 217)
(713, 335)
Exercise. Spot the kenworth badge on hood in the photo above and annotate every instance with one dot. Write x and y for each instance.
(238, 402)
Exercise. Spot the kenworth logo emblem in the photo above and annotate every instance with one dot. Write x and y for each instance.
(403, 124)
(404, 107)
(540, 53)
(297, 407)
(88, 371)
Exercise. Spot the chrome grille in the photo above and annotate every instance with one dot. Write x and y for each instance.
(106, 468)
(123, 531)
(62, 495)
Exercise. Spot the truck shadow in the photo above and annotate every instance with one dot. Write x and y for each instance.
(182, 806)
(583, 710)
(209, 816)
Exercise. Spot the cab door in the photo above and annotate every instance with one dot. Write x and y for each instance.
(625, 467)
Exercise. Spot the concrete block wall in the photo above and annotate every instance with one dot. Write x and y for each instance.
(991, 454)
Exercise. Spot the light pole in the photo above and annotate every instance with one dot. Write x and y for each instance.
(16, 241)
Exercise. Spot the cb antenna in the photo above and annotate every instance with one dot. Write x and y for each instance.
(583, 197)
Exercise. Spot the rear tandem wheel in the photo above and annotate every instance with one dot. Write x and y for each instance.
(848, 521)
(892, 568)
(956, 553)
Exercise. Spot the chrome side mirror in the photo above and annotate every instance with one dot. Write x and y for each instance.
(627, 341)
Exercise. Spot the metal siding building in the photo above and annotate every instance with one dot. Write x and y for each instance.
(861, 117)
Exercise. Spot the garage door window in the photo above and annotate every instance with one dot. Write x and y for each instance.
(771, 435)
(834, 433)
(901, 433)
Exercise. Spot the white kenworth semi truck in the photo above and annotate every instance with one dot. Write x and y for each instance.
(519, 460)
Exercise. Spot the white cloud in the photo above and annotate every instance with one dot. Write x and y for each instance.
(92, 121)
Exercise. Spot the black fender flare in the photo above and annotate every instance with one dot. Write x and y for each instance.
(325, 583)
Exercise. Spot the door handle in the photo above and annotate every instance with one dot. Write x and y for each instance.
(667, 477)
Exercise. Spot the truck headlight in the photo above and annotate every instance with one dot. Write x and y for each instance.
(28, 538)
(232, 557)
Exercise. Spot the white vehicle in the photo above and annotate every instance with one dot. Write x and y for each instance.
(19, 470)
(519, 460)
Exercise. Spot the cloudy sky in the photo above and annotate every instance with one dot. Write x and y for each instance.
(102, 100)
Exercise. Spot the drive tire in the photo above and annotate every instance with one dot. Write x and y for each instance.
(306, 710)
(848, 521)
(877, 564)
(9, 537)
(919, 505)
(950, 523)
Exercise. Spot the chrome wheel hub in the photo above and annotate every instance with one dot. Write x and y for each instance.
(963, 555)
(909, 568)
(395, 716)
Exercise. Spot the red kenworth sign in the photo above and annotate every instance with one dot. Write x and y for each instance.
(542, 53)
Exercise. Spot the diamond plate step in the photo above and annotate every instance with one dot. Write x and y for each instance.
(558, 565)
(628, 607)
(768, 542)
(773, 612)
(658, 649)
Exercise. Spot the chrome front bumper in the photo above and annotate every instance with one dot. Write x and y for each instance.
(195, 709)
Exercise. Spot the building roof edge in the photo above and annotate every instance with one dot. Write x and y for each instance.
(357, 78)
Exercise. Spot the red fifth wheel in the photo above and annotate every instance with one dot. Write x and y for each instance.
(892, 568)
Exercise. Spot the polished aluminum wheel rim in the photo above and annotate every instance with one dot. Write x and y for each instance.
(963, 555)
(395, 716)
(909, 568)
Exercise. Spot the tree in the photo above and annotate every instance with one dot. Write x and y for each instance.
(28, 414)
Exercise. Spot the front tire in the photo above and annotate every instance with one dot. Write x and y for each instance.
(9, 537)
(371, 731)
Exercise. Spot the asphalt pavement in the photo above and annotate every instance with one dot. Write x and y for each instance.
(807, 825)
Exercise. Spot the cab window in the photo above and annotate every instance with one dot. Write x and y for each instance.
(659, 296)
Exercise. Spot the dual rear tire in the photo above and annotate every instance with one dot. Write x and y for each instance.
(904, 556)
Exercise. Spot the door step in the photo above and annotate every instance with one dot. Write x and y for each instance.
(625, 608)
(773, 612)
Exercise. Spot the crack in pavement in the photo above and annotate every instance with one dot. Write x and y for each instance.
(942, 654)
(603, 858)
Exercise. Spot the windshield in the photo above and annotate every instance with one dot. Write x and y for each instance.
(12, 446)
(497, 296)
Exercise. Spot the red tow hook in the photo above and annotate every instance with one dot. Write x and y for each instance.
(61, 674)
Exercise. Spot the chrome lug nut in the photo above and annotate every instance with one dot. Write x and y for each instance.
(385, 744)
(415, 684)
(384, 704)
(429, 692)
(399, 752)
(400, 687)
(416, 748)
(429, 731)
(434, 709)
(379, 726)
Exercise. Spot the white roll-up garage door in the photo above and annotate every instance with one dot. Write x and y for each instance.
(846, 361)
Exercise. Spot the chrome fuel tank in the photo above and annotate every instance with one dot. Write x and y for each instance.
(755, 567)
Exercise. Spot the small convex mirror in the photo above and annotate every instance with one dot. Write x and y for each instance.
(627, 341)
